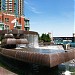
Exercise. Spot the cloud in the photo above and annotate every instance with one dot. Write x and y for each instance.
(31, 7)
(26, 2)
(34, 10)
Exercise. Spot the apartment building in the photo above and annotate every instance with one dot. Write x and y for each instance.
(10, 21)
(13, 6)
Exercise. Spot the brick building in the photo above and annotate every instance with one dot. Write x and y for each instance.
(6, 22)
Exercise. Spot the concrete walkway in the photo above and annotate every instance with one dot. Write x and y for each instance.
(4, 71)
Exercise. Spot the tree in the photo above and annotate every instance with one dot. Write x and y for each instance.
(45, 38)
(48, 38)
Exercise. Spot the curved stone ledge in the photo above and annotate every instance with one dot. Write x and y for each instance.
(14, 41)
(15, 31)
(50, 59)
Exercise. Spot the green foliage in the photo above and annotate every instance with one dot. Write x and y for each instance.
(45, 38)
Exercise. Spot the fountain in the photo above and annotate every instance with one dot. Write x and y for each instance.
(23, 45)
(19, 38)
(10, 42)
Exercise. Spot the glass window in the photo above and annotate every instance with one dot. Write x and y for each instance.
(6, 19)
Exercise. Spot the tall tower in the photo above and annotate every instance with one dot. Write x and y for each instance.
(13, 6)
(8, 6)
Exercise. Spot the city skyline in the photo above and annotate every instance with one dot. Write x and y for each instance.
(55, 16)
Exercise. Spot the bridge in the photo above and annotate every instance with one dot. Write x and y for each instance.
(63, 40)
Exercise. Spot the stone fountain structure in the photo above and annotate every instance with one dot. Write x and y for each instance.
(29, 53)
(19, 38)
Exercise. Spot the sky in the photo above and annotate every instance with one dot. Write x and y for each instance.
(55, 16)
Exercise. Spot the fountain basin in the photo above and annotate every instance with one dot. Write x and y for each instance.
(32, 55)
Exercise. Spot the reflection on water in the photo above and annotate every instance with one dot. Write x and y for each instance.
(22, 68)
(43, 51)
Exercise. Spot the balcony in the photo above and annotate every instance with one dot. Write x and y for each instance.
(27, 24)
(17, 25)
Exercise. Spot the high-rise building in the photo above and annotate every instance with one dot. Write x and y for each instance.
(13, 6)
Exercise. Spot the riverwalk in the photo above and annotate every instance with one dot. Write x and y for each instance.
(4, 71)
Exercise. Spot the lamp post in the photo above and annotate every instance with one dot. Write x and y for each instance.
(74, 37)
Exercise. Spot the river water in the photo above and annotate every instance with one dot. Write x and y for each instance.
(22, 68)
